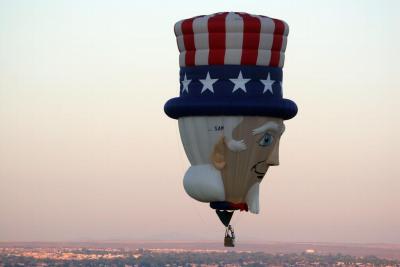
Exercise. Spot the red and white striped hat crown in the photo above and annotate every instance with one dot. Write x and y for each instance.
(231, 38)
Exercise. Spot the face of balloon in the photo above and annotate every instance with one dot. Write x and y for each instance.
(239, 148)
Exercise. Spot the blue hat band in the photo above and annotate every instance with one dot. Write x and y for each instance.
(231, 90)
(216, 81)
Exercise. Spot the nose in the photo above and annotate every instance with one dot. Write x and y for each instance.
(273, 159)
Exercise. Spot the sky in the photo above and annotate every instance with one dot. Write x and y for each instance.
(87, 153)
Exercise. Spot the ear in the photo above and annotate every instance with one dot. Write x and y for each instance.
(217, 156)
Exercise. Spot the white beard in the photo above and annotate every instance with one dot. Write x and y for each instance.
(252, 198)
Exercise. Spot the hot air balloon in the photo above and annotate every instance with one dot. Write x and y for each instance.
(230, 108)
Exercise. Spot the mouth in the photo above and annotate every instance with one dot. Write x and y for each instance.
(258, 169)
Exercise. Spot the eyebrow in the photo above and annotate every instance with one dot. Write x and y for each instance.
(267, 126)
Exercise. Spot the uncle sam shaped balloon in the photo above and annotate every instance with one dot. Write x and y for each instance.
(230, 109)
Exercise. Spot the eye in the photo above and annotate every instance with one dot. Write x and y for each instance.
(266, 140)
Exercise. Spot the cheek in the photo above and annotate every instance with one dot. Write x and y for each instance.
(262, 153)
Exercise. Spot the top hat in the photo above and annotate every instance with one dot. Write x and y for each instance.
(231, 64)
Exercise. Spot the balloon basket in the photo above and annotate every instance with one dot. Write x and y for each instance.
(229, 239)
(229, 242)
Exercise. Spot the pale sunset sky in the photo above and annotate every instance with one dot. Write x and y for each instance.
(87, 153)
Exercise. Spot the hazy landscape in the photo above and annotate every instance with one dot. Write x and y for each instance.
(196, 254)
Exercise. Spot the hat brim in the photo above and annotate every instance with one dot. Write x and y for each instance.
(273, 107)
